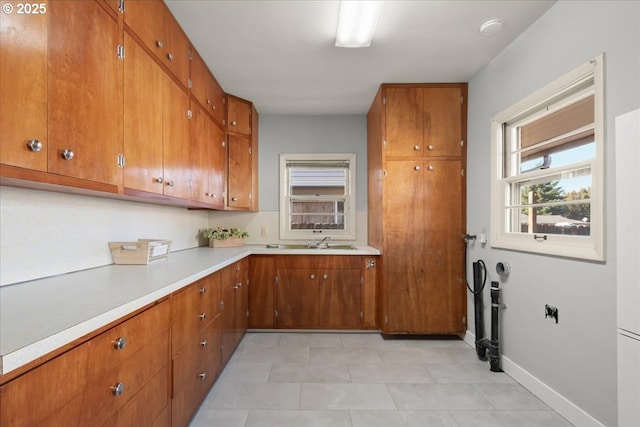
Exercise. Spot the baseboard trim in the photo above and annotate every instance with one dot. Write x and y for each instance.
(572, 413)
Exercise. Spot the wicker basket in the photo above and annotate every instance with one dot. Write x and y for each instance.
(143, 251)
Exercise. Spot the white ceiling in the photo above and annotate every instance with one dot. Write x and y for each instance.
(281, 54)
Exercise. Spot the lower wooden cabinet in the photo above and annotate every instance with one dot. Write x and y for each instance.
(313, 292)
(235, 283)
(91, 383)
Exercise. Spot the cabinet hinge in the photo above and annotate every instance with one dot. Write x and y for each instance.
(190, 183)
(224, 143)
(384, 100)
(386, 319)
(189, 114)
(121, 161)
(462, 100)
(120, 51)
(189, 83)
(275, 280)
(464, 319)
(190, 54)
(461, 143)
(247, 314)
(221, 305)
(384, 172)
(121, 6)
(384, 144)
(276, 314)
(249, 196)
(362, 280)
(250, 151)
(362, 315)
(461, 172)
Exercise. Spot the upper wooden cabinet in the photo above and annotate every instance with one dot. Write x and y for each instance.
(206, 90)
(424, 120)
(23, 70)
(238, 115)
(85, 99)
(156, 27)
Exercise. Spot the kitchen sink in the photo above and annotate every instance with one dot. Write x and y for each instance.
(305, 246)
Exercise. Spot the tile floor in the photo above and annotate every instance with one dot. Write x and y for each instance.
(362, 380)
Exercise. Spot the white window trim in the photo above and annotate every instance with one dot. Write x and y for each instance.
(349, 232)
(582, 247)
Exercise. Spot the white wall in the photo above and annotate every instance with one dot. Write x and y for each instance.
(576, 357)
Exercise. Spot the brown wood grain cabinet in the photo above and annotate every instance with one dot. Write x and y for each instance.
(206, 90)
(235, 292)
(313, 292)
(92, 382)
(23, 70)
(242, 134)
(416, 156)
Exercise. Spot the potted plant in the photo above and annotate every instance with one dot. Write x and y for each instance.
(224, 237)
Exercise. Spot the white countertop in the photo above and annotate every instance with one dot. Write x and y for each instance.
(39, 316)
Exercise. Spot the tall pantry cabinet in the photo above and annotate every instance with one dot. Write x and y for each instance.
(417, 161)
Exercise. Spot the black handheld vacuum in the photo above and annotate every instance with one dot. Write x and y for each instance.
(483, 344)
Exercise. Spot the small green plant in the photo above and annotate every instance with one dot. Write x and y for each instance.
(223, 233)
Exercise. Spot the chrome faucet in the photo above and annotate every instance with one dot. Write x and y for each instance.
(322, 244)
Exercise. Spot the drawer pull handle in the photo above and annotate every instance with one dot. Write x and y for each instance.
(118, 389)
(170, 56)
(159, 44)
(325, 276)
(203, 316)
(313, 276)
(234, 123)
(202, 375)
(67, 154)
(416, 147)
(203, 291)
(120, 343)
(430, 148)
(203, 343)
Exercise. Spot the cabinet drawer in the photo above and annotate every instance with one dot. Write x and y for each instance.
(117, 344)
(194, 361)
(149, 407)
(192, 309)
(100, 400)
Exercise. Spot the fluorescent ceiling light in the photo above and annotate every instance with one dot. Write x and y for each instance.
(357, 22)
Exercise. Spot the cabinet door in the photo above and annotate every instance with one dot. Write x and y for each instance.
(404, 121)
(238, 115)
(261, 292)
(85, 92)
(443, 250)
(208, 151)
(23, 70)
(297, 295)
(175, 139)
(340, 296)
(176, 49)
(218, 166)
(142, 119)
(145, 19)
(404, 247)
(240, 173)
(443, 121)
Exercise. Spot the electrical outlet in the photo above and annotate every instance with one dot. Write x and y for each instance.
(551, 311)
(264, 231)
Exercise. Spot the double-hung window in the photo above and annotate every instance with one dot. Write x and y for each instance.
(317, 196)
(548, 154)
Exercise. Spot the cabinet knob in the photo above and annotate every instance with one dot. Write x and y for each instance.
(34, 145)
(170, 56)
(170, 183)
(213, 107)
(430, 167)
(203, 291)
(159, 44)
(313, 276)
(67, 154)
(234, 199)
(234, 123)
(203, 343)
(208, 102)
(430, 148)
(417, 168)
(325, 276)
(119, 343)
(202, 316)
(202, 375)
(159, 180)
(117, 389)
(416, 147)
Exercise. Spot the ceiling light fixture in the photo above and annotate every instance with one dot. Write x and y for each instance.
(491, 27)
(357, 22)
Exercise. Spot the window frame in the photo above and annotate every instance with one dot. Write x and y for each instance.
(581, 247)
(349, 232)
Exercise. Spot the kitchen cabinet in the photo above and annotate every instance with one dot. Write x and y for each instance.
(152, 22)
(116, 370)
(84, 80)
(234, 287)
(422, 277)
(242, 131)
(423, 121)
(208, 160)
(262, 302)
(196, 345)
(23, 70)
(206, 90)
